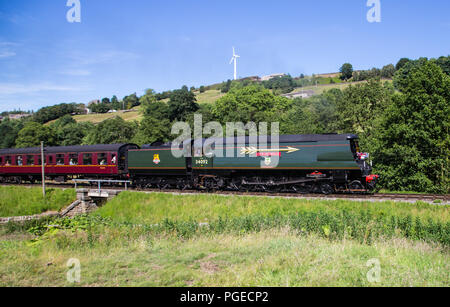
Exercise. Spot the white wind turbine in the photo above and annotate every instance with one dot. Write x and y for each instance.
(234, 59)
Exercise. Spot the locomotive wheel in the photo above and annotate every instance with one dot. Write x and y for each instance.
(301, 189)
(326, 189)
(356, 187)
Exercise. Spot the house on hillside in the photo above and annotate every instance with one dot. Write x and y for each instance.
(18, 116)
(269, 77)
(302, 94)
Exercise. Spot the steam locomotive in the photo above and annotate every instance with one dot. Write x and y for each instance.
(328, 163)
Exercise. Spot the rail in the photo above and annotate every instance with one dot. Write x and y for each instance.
(99, 182)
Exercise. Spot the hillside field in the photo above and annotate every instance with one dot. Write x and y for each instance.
(153, 239)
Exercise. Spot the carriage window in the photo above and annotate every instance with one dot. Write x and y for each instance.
(102, 159)
(87, 159)
(19, 161)
(50, 160)
(113, 159)
(2, 160)
(59, 159)
(30, 160)
(73, 159)
(8, 160)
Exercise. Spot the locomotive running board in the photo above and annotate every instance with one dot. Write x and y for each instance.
(285, 182)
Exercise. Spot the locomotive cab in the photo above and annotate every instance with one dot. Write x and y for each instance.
(364, 162)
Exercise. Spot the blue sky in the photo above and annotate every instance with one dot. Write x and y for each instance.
(122, 47)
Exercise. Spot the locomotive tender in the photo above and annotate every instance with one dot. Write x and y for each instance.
(328, 163)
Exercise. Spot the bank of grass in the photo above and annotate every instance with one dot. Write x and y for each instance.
(208, 97)
(98, 118)
(20, 201)
(155, 239)
(115, 257)
(152, 208)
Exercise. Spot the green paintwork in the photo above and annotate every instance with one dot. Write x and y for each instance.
(148, 159)
(314, 155)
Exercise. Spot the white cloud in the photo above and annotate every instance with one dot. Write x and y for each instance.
(15, 88)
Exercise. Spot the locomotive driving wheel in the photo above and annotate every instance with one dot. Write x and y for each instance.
(326, 189)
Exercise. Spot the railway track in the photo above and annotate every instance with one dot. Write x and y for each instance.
(439, 199)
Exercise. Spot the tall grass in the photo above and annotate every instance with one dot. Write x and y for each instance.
(340, 219)
(143, 208)
(20, 201)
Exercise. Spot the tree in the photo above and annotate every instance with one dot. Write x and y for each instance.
(361, 105)
(388, 71)
(402, 62)
(202, 89)
(182, 102)
(106, 101)
(69, 132)
(155, 126)
(251, 103)
(100, 108)
(444, 63)
(34, 133)
(281, 85)
(226, 86)
(346, 71)
(317, 114)
(131, 101)
(115, 103)
(9, 131)
(112, 131)
(47, 114)
(413, 138)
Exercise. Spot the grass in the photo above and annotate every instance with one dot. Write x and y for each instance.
(98, 118)
(269, 258)
(20, 201)
(321, 88)
(400, 192)
(155, 239)
(210, 96)
(152, 208)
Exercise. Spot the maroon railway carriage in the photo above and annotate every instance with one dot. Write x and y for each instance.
(62, 163)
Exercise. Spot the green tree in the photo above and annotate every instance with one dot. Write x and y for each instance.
(100, 108)
(115, 103)
(413, 138)
(225, 88)
(388, 71)
(47, 114)
(182, 103)
(346, 71)
(9, 130)
(251, 103)
(112, 131)
(155, 126)
(444, 63)
(131, 101)
(34, 133)
(402, 62)
(202, 89)
(69, 132)
(361, 106)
